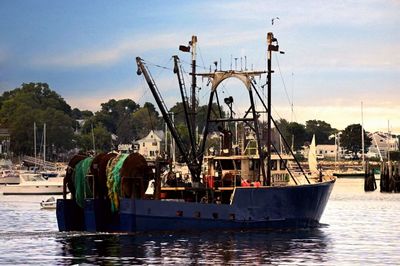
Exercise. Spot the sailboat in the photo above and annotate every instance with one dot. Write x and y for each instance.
(312, 157)
(236, 188)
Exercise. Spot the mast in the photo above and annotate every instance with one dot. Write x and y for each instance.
(362, 137)
(193, 44)
(94, 144)
(270, 40)
(173, 141)
(166, 140)
(34, 142)
(272, 47)
(188, 114)
(44, 145)
(388, 143)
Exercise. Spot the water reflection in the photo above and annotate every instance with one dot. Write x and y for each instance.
(227, 247)
(362, 230)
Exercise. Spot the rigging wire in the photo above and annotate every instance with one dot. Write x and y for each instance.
(150, 118)
(157, 65)
(283, 80)
(144, 91)
(190, 64)
(284, 87)
(264, 96)
(156, 76)
(201, 56)
(205, 94)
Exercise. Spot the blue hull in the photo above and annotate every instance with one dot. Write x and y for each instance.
(70, 216)
(250, 208)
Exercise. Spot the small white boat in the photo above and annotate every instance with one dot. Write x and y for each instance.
(34, 184)
(50, 203)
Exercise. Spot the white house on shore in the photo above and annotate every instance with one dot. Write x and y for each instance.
(382, 143)
(326, 151)
(150, 146)
(323, 151)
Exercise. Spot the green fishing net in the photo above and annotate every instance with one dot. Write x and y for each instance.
(114, 180)
(83, 189)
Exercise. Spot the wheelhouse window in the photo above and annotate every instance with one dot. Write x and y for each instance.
(253, 165)
(274, 164)
(282, 164)
(238, 164)
(227, 165)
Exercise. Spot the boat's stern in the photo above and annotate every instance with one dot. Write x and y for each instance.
(70, 216)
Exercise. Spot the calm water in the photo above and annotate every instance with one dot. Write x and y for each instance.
(357, 229)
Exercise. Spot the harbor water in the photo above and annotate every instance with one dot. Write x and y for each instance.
(357, 228)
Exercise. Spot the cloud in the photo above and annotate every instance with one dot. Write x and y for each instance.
(345, 55)
(376, 117)
(306, 13)
(108, 55)
(139, 93)
(92, 102)
(122, 49)
(320, 38)
(246, 25)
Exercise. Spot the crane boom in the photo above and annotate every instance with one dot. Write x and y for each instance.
(191, 161)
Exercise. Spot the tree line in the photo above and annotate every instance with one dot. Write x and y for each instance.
(121, 121)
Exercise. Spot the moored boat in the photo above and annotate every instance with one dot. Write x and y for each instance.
(48, 204)
(7, 173)
(9, 176)
(34, 184)
(349, 174)
(237, 188)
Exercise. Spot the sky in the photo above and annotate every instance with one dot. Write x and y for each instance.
(338, 54)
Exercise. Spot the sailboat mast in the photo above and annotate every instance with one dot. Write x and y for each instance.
(44, 145)
(362, 137)
(388, 143)
(34, 142)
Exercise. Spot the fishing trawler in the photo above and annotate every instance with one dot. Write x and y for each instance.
(235, 188)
